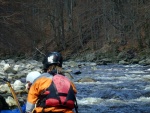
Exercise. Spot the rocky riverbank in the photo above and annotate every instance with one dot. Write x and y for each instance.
(125, 58)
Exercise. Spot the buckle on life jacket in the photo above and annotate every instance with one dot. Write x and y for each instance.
(46, 93)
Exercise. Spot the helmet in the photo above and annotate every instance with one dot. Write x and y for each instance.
(32, 76)
(52, 58)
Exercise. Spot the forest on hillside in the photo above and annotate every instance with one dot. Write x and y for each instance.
(74, 27)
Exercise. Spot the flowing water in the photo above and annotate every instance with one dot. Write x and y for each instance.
(118, 89)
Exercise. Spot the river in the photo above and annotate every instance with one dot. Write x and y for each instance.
(118, 89)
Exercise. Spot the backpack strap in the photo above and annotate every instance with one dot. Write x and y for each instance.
(56, 92)
(76, 105)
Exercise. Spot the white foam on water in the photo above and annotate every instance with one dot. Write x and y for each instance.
(137, 72)
(104, 102)
(116, 88)
(143, 99)
(89, 101)
(135, 65)
(146, 77)
(98, 82)
(147, 88)
(113, 102)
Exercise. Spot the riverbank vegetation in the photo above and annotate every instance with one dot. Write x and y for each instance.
(115, 29)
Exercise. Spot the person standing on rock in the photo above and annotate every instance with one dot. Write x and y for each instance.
(51, 92)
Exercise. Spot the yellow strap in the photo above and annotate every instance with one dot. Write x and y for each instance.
(15, 97)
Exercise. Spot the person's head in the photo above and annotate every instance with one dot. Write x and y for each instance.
(52, 61)
(31, 77)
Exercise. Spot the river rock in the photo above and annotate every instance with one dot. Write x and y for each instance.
(86, 80)
(92, 64)
(123, 62)
(4, 88)
(72, 64)
(9, 69)
(11, 101)
(16, 67)
(18, 85)
(145, 62)
(2, 62)
(68, 75)
(93, 68)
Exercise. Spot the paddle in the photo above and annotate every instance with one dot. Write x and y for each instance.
(13, 93)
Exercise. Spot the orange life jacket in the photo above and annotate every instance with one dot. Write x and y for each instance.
(59, 93)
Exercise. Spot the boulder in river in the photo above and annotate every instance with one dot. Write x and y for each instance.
(86, 80)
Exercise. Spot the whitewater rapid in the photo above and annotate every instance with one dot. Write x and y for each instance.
(118, 89)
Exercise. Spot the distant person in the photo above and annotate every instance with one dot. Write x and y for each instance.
(31, 77)
(52, 91)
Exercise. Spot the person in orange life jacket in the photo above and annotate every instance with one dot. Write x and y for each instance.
(51, 92)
